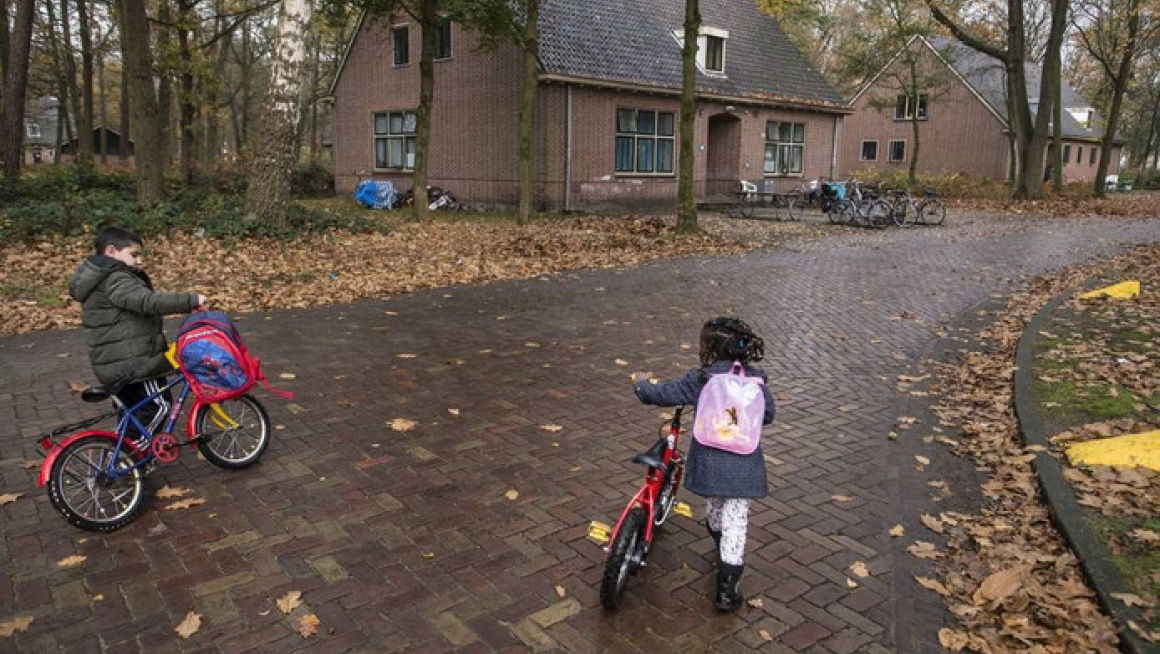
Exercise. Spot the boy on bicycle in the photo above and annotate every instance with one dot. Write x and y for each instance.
(122, 318)
(727, 480)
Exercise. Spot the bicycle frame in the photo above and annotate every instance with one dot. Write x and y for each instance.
(653, 481)
(143, 457)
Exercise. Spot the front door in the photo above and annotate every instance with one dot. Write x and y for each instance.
(724, 155)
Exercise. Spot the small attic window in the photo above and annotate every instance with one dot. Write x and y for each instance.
(710, 49)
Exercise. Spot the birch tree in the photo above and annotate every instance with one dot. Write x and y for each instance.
(273, 154)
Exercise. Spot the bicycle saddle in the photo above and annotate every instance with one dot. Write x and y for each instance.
(655, 457)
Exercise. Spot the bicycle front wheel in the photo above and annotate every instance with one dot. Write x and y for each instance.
(233, 433)
(878, 214)
(623, 557)
(95, 486)
(794, 207)
(933, 212)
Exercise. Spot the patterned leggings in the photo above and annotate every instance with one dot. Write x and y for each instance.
(730, 516)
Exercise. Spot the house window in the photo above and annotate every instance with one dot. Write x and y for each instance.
(905, 106)
(395, 139)
(1095, 155)
(1066, 154)
(401, 36)
(869, 150)
(784, 147)
(1079, 154)
(32, 129)
(443, 39)
(714, 54)
(897, 151)
(644, 141)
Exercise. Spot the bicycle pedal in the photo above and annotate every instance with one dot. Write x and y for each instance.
(599, 532)
(683, 510)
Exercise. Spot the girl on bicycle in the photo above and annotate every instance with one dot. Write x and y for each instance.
(726, 480)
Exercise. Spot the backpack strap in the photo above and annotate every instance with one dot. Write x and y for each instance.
(286, 395)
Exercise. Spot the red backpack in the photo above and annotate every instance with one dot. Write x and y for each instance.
(215, 361)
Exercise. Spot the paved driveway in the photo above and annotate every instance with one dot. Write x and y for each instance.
(411, 542)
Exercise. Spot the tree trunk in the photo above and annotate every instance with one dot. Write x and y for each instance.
(1119, 85)
(427, 20)
(912, 170)
(165, 87)
(126, 123)
(104, 108)
(273, 156)
(315, 73)
(186, 110)
(12, 119)
(5, 40)
(687, 205)
(531, 49)
(142, 102)
(86, 29)
(65, 126)
(84, 151)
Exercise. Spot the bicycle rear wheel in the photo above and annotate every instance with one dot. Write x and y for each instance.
(933, 212)
(794, 207)
(624, 557)
(233, 433)
(81, 487)
(878, 214)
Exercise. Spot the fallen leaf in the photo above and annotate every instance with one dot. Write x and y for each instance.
(9, 498)
(512, 494)
(850, 583)
(932, 523)
(98, 597)
(189, 625)
(1131, 599)
(78, 387)
(1145, 536)
(71, 561)
(922, 460)
(952, 639)
(287, 375)
(406, 356)
(560, 591)
(453, 412)
(924, 550)
(552, 428)
(167, 492)
(897, 531)
(859, 568)
(755, 602)
(401, 424)
(841, 498)
(308, 625)
(765, 635)
(30, 464)
(621, 362)
(289, 601)
(185, 504)
(1000, 585)
(933, 584)
(15, 626)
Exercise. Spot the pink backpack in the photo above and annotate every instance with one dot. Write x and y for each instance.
(730, 411)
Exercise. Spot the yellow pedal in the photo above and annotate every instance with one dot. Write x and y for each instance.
(599, 532)
(683, 510)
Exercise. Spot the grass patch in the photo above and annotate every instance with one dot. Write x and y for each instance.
(1138, 564)
(1094, 402)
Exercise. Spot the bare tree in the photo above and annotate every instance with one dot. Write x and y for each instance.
(273, 155)
(138, 63)
(12, 117)
(687, 206)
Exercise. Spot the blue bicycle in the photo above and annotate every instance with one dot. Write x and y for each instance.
(96, 477)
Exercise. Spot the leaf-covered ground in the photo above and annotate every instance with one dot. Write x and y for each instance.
(253, 275)
(1007, 574)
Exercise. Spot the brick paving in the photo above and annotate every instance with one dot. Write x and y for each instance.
(408, 542)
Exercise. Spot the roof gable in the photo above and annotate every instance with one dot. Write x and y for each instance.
(633, 43)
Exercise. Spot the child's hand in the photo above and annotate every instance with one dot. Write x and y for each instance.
(641, 376)
(202, 301)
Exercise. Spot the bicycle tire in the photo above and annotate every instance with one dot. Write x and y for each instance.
(80, 489)
(793, 207)
(848, 214)
(933, 212)
(878, 215)
(747, 207)
(898, 210)
(623, 560)
(236, 446)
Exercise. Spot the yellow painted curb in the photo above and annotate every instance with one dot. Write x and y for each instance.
(1121, 291)
(1130, 450)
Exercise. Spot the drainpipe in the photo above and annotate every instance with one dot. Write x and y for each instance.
(834, 144)
(568, 150)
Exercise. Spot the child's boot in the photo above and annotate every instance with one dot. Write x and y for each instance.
(728, 596)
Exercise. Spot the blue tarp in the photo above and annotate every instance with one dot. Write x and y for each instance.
(377, 194)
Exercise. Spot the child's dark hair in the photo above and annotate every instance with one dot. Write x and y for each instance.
(118, 237)
(730, 339)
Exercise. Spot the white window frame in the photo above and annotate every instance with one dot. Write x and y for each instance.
(395, 30)
(903, 108)
(444, 24)
(783, 150)
(703, 37)
(32, 129)
(862, 150)
(393, 134)
(890, 151)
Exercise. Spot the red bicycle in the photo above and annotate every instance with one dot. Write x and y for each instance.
(647, 510)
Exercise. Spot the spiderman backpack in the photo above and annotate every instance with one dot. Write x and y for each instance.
(214, 360)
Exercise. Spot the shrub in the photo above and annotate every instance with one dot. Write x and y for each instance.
(312, 181)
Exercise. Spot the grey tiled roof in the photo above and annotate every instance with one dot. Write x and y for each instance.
(986, 75)
(631, 41)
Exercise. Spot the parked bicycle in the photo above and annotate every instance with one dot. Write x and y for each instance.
(96, 477)
(931, 210)
(905, 210)
(648, 509)
(862, 208)
(752, 203)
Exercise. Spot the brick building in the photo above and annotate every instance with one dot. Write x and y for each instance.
(607, 109)
(963, 125)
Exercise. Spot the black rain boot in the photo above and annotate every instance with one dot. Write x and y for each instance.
(716, 535)
(728, 596)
